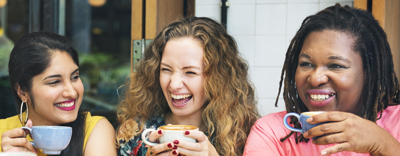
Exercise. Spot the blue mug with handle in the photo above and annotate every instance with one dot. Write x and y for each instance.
(305, 126)
(50, 139)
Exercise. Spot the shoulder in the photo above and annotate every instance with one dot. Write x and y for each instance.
(90, 123)
(264, 137)
(92, 119)
(100, 136)
(270, 126)
(9, 123)
(271, 119)
(390, 114)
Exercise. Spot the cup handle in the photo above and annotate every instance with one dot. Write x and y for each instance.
(287, 124)
(144, 138)
(30, 131)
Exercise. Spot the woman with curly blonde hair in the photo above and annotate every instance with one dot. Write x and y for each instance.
(191, 74)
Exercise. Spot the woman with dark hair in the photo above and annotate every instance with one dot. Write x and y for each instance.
(44, 74)
(339, 61)
(191, 74)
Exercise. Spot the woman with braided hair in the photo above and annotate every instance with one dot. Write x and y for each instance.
(340, 62)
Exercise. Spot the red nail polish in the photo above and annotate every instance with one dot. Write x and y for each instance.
(159, 131)
(174, 152)
(169, 145)
(187, 132)
(175, 147)
(176, 141)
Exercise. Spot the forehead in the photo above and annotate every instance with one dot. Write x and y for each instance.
(183, 51)
(328, 43)
(60, 61)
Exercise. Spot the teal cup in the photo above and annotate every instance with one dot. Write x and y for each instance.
(305, 126)
(50, 139)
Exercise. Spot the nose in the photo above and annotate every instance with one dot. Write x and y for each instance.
(69, 90)
(318, 77)
(176, 81)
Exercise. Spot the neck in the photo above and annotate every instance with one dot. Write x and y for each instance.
(193, 119)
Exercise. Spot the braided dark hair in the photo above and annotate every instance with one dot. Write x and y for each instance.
(381, 88)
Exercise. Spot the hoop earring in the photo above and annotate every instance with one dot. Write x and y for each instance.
(20, 115)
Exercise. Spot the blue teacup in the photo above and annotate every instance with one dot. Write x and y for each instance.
(50, 139)
(305, 126)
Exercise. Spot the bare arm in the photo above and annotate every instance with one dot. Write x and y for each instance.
(101, 140)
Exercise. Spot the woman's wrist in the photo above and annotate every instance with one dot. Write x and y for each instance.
(389, 146)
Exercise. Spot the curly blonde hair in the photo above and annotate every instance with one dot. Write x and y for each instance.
(231, 105)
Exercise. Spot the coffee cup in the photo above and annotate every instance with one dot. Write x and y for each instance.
(305, 126)
(17, 154)
(171, 133)
(50, 139)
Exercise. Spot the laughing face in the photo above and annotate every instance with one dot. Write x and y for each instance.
(329, 75)
(57, 92)
(181, 76)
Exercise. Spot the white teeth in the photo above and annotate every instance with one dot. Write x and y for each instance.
(319, 97)
(65, 104)
(180, 96)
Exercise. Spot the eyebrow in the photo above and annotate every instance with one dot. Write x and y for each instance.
(330, 58)
(51, 76)
(186, 67)
(338, 58)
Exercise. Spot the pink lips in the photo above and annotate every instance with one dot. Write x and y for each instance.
(180, 102)
(67, 108)
(320, 92)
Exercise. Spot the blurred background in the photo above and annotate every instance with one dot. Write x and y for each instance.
(110, 36)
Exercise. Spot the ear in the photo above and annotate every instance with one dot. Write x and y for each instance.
(23, 95)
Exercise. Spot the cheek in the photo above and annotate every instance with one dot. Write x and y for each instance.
(163, 81)
(79, 87)
(299, 79)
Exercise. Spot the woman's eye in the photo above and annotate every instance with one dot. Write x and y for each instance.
(165, 69)
(335, 66)
(191, 73)
(75, 77)
(305, 64)
(54, 82)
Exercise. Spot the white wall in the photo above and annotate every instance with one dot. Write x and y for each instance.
(263, 30)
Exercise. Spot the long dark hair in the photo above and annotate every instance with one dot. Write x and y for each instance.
(30, 56)
(381, 88)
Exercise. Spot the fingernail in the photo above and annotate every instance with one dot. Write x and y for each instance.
(310, 119)
(176, 141)
(323, 153)
(169, 145)
(305, 134)
(175, 147)
(187, 132)
(160, 131)
(174, 152)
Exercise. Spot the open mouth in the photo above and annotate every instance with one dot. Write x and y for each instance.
(320, 97)
(181, 99)
(66, 106)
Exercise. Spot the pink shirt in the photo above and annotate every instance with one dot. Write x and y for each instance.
(266, 132)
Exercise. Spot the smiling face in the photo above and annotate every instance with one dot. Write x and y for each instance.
(181, 76)
(329, 75)
(56, 93)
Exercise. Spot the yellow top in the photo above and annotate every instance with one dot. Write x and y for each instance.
(13, 122)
